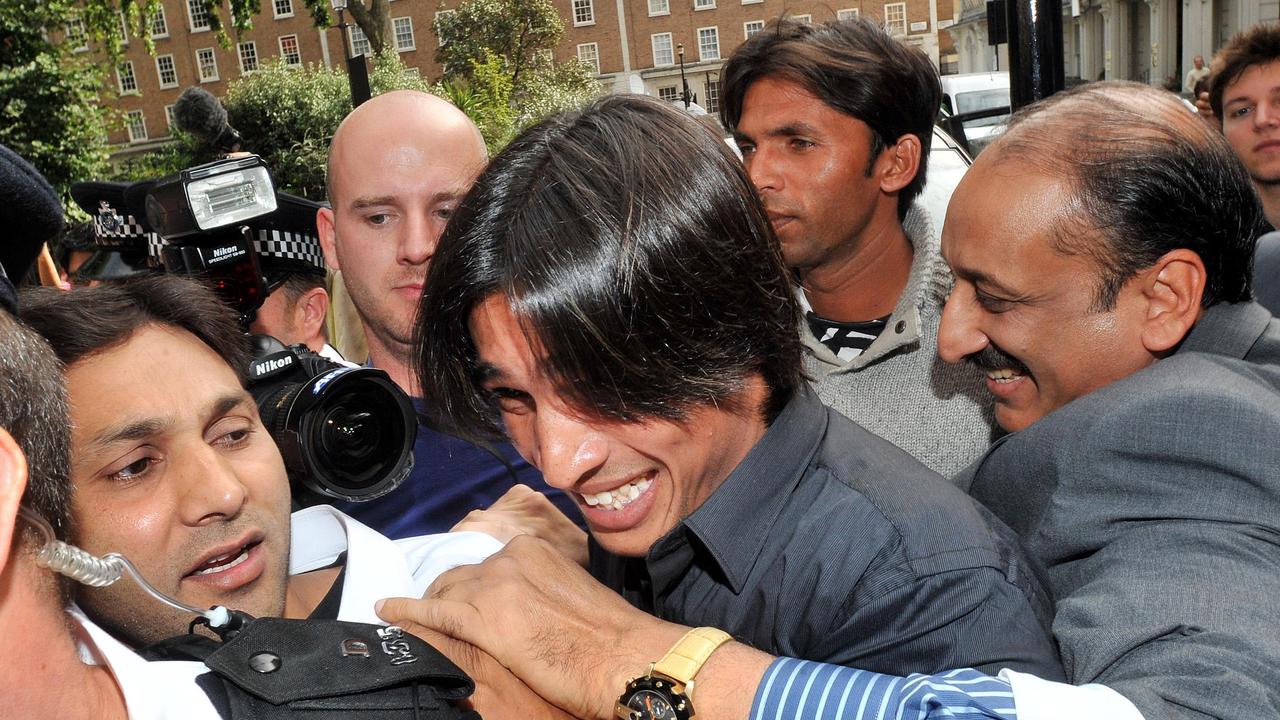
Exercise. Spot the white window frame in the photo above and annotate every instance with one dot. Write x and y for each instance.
(751, 27)
(663, 7)
(168, 117)
(702, 56)
(213, 56)
(132, 75)
(124, 29)
(670, 49)
(807, 19)
(848, 14)
(296, 44)
(595, 49)
(752, 2)
(713, 99)
(669, 93)
(173, 70)
(704, 5)
(141, 117)
(359, 43)
(257, 61)
(191, 18)
(588, 18)
(80, 31)
(395, 34)
(160, 19)
(887, 22)
(275, 9)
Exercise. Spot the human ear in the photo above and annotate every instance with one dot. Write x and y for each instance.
(309, 312)
(13, 482)
(328, 237)
(1173, 288)
(899, 163)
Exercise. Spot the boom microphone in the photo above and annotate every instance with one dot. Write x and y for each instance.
(199, 113)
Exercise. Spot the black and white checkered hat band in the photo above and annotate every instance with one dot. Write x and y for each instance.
(293, 246)
(120, 231)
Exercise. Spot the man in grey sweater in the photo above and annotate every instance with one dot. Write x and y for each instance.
(834, 123)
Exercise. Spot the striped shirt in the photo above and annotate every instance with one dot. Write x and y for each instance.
(802, 690)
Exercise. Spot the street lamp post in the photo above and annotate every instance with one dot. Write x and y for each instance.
(684, 84)
(357, 72)
(340, 6)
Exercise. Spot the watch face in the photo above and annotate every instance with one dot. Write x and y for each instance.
(650, 705)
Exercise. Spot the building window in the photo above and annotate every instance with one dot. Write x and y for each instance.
(289, 50)
(895, 18)
(167, 71)
(159, 25)
(704, 4)
(806, 19)
(283, 8)
(168, 117)
(662, 51)
(589, 53)
(77, 37)
(668, 93)
(659, 7)
(402, 27)
(847, 14)
(584, 13)
(359, 41)
(124, 29)
(125, 77)
(708, 43)
(198, 14)
(713, 96)
(136, 124)
(248, 53)
(207, 64)
(751, 27)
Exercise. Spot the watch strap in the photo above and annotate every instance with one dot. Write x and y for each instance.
(687, 656)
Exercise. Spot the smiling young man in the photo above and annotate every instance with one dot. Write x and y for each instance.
(634, 335)
(834, 123)
(172, 468)
(1244, 92)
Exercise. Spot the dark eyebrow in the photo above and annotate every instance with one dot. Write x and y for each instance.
(488, 371)
(136, 430)
(792, 129)
(364, 202)
(226, 404)
(981, 278)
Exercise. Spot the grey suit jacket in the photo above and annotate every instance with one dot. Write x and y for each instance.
(1154, 506)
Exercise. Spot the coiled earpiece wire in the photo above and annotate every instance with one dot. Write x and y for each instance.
(88, 569)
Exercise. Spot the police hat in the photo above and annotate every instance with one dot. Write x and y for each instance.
(122, 238)
(30, 214)
(286, 240)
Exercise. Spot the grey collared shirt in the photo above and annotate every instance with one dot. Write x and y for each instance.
(828, 543)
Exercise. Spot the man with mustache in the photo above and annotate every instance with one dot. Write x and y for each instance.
(1101, 250)
(398, 166)
(834, 123)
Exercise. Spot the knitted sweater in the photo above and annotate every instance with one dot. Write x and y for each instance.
(898, 388)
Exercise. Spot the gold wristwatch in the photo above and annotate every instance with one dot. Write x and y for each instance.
(665, 692)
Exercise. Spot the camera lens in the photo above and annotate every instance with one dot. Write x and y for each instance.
(346, 433)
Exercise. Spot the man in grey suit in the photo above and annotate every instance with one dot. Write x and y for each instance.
(1102, 259)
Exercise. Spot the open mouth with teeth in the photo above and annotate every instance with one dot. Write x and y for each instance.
(619, 497)
(225, 561)
(1004, 375)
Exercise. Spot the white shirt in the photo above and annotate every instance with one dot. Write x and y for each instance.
(376, 568)
(1038, 699)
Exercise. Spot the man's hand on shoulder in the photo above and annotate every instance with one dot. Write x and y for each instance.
(572, 640)
(524, 511)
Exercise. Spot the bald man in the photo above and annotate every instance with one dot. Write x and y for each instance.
(398, 166)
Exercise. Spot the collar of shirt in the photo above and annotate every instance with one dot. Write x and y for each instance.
(152, 690)
(734, 523)
(1229, 329)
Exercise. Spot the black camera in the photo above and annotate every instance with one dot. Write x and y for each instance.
(345, 432)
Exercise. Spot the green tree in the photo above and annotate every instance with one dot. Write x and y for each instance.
(49, 108)
(288, 115)
(496, 56)
(102, 19)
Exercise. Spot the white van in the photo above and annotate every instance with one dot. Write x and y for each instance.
(963, 95)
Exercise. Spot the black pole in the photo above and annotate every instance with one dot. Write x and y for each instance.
(684, 84)
(1036, 66)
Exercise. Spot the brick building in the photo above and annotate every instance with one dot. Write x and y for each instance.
(634, 45)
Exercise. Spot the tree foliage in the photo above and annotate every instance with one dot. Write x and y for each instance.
(102, 19)
(374, 19)
(498, 66)
(49, 108)
(288, 115)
